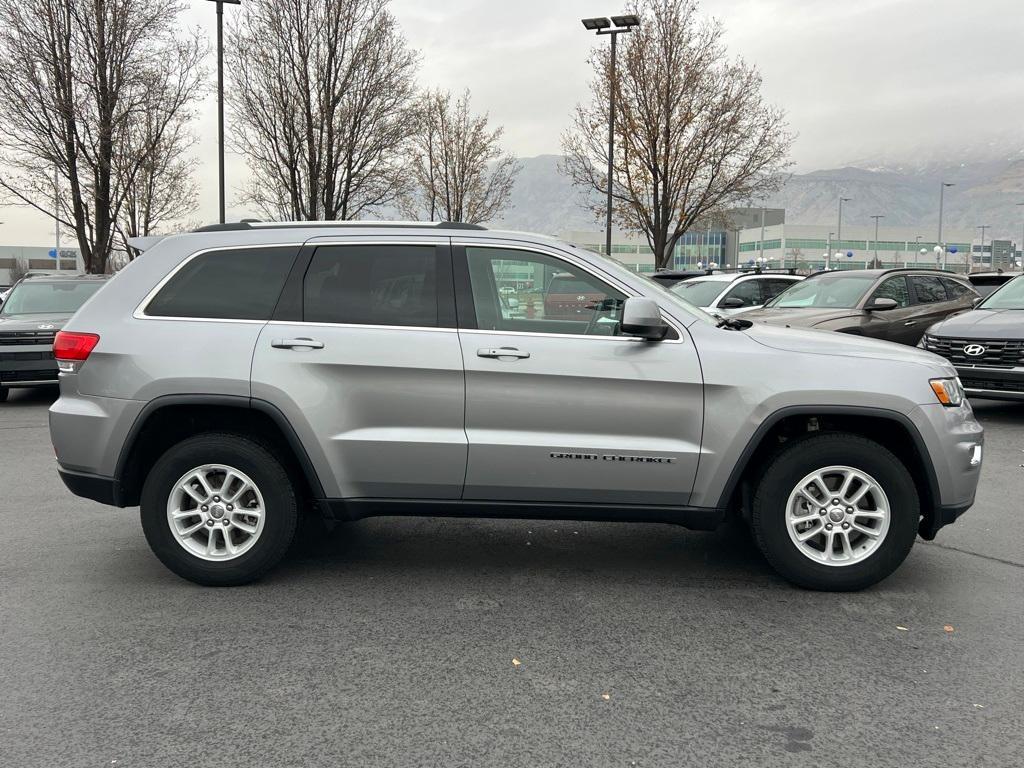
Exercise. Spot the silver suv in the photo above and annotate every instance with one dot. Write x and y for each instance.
(230, 380)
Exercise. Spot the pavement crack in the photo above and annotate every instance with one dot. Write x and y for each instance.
(975, 554)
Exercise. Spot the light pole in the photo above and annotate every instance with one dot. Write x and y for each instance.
(1021, 246)
(981, 250)
(220, 94)
(839, 225)
(604, 26)
(828, 253)
(761, 249)
(942, 197)
(876, 217)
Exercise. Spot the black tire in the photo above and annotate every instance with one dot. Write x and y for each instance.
(252, 458)
(806, 455)
(3, 394)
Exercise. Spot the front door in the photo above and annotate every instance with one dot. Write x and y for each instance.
(899, 324)
(369, 370)
(564, 408)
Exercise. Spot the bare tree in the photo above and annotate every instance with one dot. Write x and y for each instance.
(164, 189)
(76, 77)
(459, 172)
(321, 95)
(693, 134)
(19, 270)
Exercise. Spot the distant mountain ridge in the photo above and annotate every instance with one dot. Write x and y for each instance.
(987, 190)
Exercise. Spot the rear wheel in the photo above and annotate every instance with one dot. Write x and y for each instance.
(219, 509)
(835, 512)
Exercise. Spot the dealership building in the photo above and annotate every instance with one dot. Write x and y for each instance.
(36, 259)
(805, 246)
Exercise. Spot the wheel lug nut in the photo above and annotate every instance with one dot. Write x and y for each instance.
(845, 526)
(849, 510)
(216, 498)
(835, 501)
(822, 512)
(231, 508)
(205, 508)
(209, 523)
(828, 527)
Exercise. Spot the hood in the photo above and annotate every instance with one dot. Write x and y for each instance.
(831, 343)
(33, 322)
(800, 318)
(983, 324)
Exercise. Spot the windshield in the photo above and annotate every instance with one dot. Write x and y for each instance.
(700, 293)
(56, 298)
(829, 291)
(1010, 296)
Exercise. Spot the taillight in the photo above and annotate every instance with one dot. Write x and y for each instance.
(69, 346)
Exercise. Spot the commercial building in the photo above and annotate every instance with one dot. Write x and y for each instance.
(36, 258)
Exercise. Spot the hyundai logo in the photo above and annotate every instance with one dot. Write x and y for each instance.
(974, 350)
(45, 327)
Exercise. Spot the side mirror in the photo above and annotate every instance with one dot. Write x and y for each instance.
(733, 302)
(974, 302)
(642, 317)
(881, 305)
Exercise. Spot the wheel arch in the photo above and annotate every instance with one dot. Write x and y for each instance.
(166, 420)
(892, 429)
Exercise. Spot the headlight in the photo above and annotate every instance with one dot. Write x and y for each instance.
(949, 391)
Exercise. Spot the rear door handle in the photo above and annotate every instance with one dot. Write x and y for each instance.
(296, 343)
(502, 352)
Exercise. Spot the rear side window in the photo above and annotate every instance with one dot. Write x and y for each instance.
(748, 291)
(954, 288)
(928, 289)
(372, 285)
(236, 284)
(772, 288)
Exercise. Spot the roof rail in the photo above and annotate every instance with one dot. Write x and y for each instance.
(249, 224)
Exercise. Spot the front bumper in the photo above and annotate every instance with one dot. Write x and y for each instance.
(992, 383)
(27, 365)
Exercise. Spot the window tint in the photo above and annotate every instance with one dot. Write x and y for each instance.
(954, 288)
(773, 287)
(748, 291)
(524, 291)
(894, 288)
(372, 285)
(928, 289)
(238, 284)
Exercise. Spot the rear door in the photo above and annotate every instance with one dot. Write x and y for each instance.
(363, 358)
(933, 303)
(568, 410)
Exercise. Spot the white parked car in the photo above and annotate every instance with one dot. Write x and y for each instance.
(731, 293)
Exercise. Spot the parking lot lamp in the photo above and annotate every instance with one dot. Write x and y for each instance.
(876, 217)
(942, 198)
(613, 27)
(220, 95)
(839, 225)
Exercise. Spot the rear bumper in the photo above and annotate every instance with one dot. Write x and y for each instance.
(95, 487)
(940, 518)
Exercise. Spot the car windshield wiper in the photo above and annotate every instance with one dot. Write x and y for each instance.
(732, 323)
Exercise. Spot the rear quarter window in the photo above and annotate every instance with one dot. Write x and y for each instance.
(235, 284)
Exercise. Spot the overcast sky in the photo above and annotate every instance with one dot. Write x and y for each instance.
(858, 78)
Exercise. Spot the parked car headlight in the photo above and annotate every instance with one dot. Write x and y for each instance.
(950, 392)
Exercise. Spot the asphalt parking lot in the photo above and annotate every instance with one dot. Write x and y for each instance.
(391, 643)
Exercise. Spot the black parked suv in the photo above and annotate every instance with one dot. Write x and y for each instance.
(30, 316)
(986, 345)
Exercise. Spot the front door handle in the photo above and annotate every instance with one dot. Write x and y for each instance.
(502, 352)
(911, 322)
(297, 343)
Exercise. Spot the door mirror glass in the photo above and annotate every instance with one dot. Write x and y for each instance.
(733, 302)
(642, 317)
(881, 304)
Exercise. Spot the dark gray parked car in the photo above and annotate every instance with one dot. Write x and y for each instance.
(889, 304)
(34, 310)
(986, 345)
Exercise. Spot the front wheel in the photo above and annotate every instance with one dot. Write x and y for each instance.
(835, 512)
(219, 509)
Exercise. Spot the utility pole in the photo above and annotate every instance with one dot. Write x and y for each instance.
(220, 96)
(942, 196)
(761, 256)
(876, 218)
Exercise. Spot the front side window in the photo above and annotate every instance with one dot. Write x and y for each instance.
(894, 288)
(830, 290)
(525, 291)
(372, 285)
(748, 291)
(235, 284)
(928, 289)
(56, 298)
